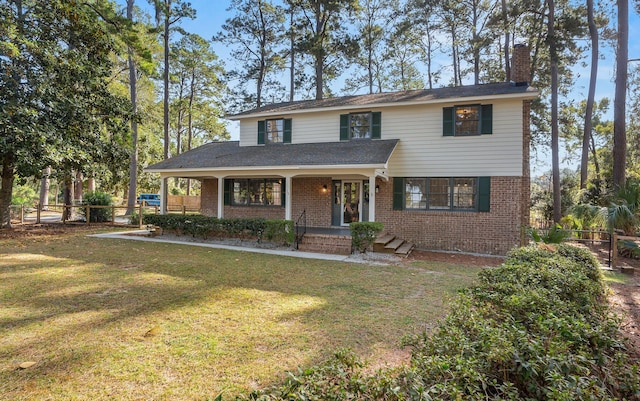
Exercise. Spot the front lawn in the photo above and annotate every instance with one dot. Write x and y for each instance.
(112, 319)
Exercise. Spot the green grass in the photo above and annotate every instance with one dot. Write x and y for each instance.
(611, 277)
(113, 319)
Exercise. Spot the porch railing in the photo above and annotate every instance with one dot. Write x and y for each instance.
(301, 227)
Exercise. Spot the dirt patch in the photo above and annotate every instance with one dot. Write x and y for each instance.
(456, 258)
(625, 299)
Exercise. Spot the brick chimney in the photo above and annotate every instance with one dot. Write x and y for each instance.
(520, 65)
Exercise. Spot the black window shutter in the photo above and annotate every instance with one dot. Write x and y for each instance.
(484, 193)
(376, 125)
(344, 127)
(398, 193)
(286, 133)
(261, 131)
(447, 121)
(283, 192)
(486, 124)
(228, 188)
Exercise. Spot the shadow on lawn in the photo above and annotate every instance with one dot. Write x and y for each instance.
(88, 285)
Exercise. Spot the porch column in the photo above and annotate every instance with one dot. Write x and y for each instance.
(163, 195)
(372, 198)
(220, 197)
(287, 198)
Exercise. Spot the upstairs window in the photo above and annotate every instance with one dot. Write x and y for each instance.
(467, 120)
(277, 130)
(360, 126)
(274, 131)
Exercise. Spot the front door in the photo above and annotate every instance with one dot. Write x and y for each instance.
(351, 202)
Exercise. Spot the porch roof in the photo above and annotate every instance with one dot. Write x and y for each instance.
(230, 156)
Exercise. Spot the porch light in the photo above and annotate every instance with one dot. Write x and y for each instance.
(377, 188)
(324, 189)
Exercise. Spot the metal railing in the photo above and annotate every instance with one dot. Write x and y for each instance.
(301, 227)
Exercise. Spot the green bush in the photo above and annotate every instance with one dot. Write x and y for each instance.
(97, 198)
(364, 234)
(279, 231)
(536, 328)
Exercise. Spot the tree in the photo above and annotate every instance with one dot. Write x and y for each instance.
(256, 34)
(133, 93)
(373, 21)
(322, 25)
(620, 99)
(55, 105)
(593, 33)
(555, 163)
(168, 13)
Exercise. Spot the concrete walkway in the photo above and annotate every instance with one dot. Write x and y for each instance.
(126, 235)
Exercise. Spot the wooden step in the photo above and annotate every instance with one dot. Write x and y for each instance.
(393, 245)
(405, 249)
(381, 242)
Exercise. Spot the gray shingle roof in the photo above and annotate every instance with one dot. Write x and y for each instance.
(217, 155)
(413, 96)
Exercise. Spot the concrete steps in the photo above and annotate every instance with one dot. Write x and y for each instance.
(389, 243)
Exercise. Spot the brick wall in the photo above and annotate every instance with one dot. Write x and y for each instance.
(307, 194)
(340, 244)
(209, 197)
(494, 232)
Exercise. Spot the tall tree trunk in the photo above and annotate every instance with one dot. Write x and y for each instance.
(319, 55)
(6, 189)
(165, 77)
(507, 41)
(45, 184)
(67, 197)
(593, 33)
(454, 55)
(190, 120)
(133, 92)
(594, 154)
(91, 184)
(77, 191)
(619, 103)
(555, 162)
(292, 75)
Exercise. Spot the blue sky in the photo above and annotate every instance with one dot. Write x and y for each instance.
(211, 14)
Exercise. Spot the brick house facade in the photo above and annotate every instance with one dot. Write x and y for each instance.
(446, 168)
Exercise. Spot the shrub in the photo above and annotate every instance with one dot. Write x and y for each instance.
(97, 198)
(280, 231)
(364, 234)
(537, 327)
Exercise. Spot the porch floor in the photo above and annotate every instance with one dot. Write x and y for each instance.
(329, 230)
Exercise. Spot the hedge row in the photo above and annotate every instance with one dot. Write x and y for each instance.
(277, 231)
(536, 328)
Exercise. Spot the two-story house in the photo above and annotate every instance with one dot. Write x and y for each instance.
(446, 168)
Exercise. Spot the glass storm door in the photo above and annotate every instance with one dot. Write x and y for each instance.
(351, 202)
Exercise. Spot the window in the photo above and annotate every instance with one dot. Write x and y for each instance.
(360, 126)
(465, 193)
(415, 193)
(467, 120)
(274, 131)
(439, 193)
(256, 192)
(277, 130)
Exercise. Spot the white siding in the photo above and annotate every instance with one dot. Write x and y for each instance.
(422, 150)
